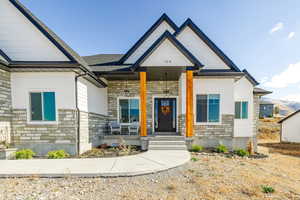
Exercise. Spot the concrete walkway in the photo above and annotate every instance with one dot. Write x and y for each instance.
(151, 161)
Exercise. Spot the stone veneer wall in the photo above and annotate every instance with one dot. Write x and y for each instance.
(45, 137)
(154, 88)
(225, 128)
(92, 127)
(5, 105)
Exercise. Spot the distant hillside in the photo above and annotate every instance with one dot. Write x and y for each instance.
(285, 107)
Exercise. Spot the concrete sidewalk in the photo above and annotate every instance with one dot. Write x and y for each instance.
(151, 161)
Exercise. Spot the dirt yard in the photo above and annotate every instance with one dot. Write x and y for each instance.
(207, 177)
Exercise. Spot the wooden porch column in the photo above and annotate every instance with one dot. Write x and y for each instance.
(189, 123)
(143, 100)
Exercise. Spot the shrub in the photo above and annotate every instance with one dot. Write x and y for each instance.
(221, 149)
(267, 189)
(24, 154)
(194, 159)
(241, 152)
(196, 148)
(58, 154)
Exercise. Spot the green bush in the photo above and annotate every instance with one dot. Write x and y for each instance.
(194, 159)
(196, 148)
(221, 149)
(58, 154)
(267, 189)
(24, 154)
(241, 152)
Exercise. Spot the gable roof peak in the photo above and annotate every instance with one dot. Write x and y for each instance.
(208, 42)
(163, 17)
(175, 42)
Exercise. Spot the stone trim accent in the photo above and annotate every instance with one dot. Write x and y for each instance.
(5, 105)
(154, 88)
(53, 136)
(226, 127)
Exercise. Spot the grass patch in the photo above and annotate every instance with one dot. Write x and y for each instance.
(267, 189)
(194, 159)
(241, 152)
(196, 148)
(221, 149)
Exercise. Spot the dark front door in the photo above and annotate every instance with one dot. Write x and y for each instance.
(165, 114)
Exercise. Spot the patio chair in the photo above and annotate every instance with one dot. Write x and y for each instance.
(134, 128)
(115, 127)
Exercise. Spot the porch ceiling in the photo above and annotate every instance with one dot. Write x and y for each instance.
(153, 74)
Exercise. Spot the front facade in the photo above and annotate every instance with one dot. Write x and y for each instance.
(173, 81)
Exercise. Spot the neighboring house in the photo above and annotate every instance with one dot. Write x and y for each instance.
(266, 109)
(173, 81)
(290, 128)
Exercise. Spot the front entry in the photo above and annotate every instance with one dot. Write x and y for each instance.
(165, 114)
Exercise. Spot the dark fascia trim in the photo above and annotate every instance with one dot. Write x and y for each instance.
(6, 57)
(291, 115)
(250, 78)
(163, 18)
(32, 64)
(208, 42)
(175, 42)
(207, 72)
(4, 67)
(30, 17)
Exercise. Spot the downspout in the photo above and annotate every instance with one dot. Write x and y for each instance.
(78, 112)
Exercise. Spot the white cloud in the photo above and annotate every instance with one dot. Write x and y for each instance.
(277, 27)
(292, 97)
(285, 78)
(291, 35)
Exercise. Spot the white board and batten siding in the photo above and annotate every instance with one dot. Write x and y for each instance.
(164, 26)
(243, 91)
(167, 54)
(200, 50)
(21, 40)
(290, 129)
(91, 98)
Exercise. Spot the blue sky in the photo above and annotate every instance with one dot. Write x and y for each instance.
(261, 36)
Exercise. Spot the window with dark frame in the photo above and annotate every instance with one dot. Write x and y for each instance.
(42, 106)
(208, 108)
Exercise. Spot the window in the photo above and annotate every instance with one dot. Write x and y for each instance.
(208, 108)
(241, 110)
(129, 110)
(42, 106)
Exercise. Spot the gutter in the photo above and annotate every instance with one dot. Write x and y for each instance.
(78, 112)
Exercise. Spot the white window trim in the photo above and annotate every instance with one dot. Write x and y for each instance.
(118, 109)
(31, 122)
(241, 110)
(195, 111)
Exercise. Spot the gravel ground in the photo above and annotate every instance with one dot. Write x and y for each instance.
(208, 177)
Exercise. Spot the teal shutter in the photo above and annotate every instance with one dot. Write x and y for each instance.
(36, 106)
(237, 110)
(244, 110)
(214, 107)
(49, 106)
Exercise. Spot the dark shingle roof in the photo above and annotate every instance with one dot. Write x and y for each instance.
(261, 91)
(101, 59)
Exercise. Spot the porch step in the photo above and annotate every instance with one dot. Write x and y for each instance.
(167, 143)
(167, 147)
(168, 138)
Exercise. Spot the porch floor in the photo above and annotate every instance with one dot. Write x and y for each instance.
(152, 161)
